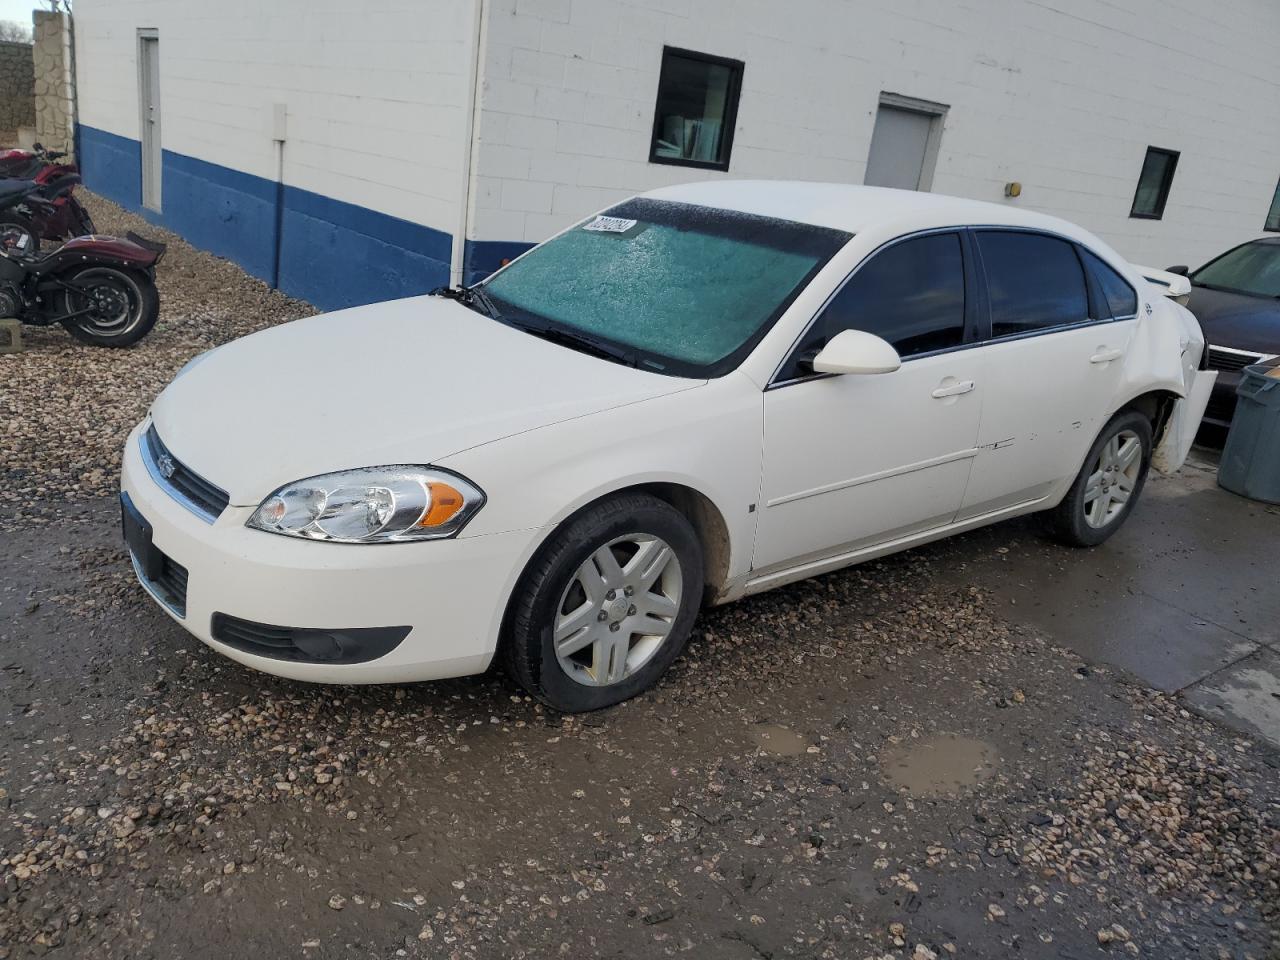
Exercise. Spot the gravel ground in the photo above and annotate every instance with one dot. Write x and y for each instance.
(66, 408)
(877, 763)
(158, 797)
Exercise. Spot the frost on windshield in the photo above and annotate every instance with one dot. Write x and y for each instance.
(695, 296)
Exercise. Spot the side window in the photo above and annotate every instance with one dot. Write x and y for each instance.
(911, 294)
(1120, 297)
(1035, 282)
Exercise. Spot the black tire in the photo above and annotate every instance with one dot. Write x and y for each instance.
(12, 228)
(1069, 521)
(115, 327)
(528, 652)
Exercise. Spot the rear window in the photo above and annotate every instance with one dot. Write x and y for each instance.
(1035, 282)
(1122, 301)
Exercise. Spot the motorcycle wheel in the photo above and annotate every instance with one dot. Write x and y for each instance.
(122, 306)
(12, 231)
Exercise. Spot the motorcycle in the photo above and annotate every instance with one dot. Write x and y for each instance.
(29, 164)
(45, 210)
(102, 289)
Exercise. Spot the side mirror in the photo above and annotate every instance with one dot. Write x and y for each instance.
(856, 351)
(1181, 270)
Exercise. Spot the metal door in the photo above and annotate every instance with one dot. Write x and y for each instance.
(899, 145)
(149, 97)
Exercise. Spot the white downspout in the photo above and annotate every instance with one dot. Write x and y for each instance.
(469, 134)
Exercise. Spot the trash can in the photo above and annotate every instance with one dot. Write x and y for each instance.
(1251, 458)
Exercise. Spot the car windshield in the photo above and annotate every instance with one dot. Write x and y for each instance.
(676, 288)
(1253, 269)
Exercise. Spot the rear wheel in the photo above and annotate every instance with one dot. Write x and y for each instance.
(109, 307)
(1108, 484)
(607, 605)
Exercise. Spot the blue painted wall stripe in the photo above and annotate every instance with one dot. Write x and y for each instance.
(331, 253)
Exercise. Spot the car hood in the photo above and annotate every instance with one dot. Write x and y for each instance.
(409, 381)
(1237, 320)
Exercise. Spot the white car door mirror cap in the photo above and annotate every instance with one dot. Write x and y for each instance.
(856, 351)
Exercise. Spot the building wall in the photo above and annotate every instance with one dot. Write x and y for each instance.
(376, 96)
(17, 83)
(1062, 97)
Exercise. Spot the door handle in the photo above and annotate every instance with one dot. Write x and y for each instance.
(1106, 356)
(954, 390)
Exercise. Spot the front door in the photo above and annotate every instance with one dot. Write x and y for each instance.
(149, 97)
(855, 460)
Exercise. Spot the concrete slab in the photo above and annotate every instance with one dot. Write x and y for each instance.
(1245, 696)
(1165, 647)
(1184, 589)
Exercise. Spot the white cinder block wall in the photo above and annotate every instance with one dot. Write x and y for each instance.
(1063, 96)
(376, 92)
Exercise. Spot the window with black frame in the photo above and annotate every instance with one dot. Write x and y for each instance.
(697, 109)
(1154, 183)
(1272, 223)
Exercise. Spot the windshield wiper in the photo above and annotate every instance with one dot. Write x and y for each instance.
(472, 296)
(1236, 290)
(575, 340)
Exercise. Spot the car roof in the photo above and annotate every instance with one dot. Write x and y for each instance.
(854, 208)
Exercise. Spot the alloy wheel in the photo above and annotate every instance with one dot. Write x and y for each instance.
(618, 609)
(1113, 478)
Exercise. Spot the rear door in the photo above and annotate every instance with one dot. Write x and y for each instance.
(1058, 324)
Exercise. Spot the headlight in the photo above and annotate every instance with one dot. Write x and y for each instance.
(371, 505)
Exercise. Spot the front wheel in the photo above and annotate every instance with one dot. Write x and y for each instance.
(108, 306)
(607, 605)
(1108, 484)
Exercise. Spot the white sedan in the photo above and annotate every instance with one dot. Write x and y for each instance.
(702, 393)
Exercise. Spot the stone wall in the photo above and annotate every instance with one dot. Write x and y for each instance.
(55, 93)
(17, 103)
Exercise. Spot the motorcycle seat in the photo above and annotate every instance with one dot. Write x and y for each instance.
(11, 190)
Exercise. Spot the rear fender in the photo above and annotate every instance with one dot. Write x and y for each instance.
(1166, 356)
(97, 251)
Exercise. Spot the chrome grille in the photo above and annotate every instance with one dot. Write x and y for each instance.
(183, 484)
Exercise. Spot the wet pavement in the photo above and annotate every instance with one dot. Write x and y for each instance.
(990, 747)
(1187, 600)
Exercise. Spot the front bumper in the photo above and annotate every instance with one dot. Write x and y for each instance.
(451, 593)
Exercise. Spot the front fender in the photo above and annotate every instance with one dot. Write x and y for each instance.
(708, 439)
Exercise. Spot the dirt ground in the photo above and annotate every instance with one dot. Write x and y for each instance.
(990, 747)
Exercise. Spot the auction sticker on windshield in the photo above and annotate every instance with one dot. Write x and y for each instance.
(602, 224)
